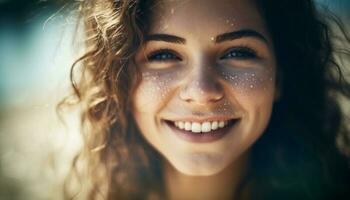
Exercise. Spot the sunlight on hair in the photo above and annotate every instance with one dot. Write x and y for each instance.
(38, 141)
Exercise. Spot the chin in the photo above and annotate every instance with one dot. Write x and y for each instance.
(199, 165)
(199, 170)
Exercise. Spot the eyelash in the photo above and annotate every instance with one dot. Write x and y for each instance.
(163, 55)
(168, 55)
(240, 53)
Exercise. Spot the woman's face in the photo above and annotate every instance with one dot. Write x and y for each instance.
(208, 82)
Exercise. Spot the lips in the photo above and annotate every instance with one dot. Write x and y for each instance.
(205, 130)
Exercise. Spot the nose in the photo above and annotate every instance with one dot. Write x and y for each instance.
(202, 87)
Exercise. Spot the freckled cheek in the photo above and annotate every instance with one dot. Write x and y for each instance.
(251, 82)
(254, 90)
(152, 93)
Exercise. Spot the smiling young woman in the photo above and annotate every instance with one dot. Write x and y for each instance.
(207, 99)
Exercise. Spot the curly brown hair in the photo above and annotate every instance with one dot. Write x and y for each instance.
(297, 155)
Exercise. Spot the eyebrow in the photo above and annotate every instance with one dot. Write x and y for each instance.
(240, 34)
(218, 39)
(165, 38)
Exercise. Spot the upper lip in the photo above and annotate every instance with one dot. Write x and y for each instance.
(202, 118)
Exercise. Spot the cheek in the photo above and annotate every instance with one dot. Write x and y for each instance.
(253, 89)
(250, 82)
(153, 92)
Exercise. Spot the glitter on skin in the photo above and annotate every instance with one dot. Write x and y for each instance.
(247, 81)
(181, 82)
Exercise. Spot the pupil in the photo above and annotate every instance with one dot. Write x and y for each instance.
(165, 56)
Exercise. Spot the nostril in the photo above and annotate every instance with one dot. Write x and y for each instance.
(202, 92)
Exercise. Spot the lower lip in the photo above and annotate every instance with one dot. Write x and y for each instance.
(203, 137)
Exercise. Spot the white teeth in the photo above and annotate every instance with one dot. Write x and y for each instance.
(221, 124)
(206, 127)
(200, 127)
(214, 125)
(188, 126)
(196, 127)
(181, 125)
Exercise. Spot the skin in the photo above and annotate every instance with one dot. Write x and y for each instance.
(203, 76)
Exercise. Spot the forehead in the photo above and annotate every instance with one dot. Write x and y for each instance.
(204, 17)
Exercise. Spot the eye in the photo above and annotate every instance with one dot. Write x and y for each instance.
(163, 55)
(242, 53)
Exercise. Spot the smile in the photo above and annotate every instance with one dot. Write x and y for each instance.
(203, 127)
(201, 132)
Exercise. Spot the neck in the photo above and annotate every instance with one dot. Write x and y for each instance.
(219, 186)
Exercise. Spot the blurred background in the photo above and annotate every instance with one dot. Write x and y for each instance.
(36, 52)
